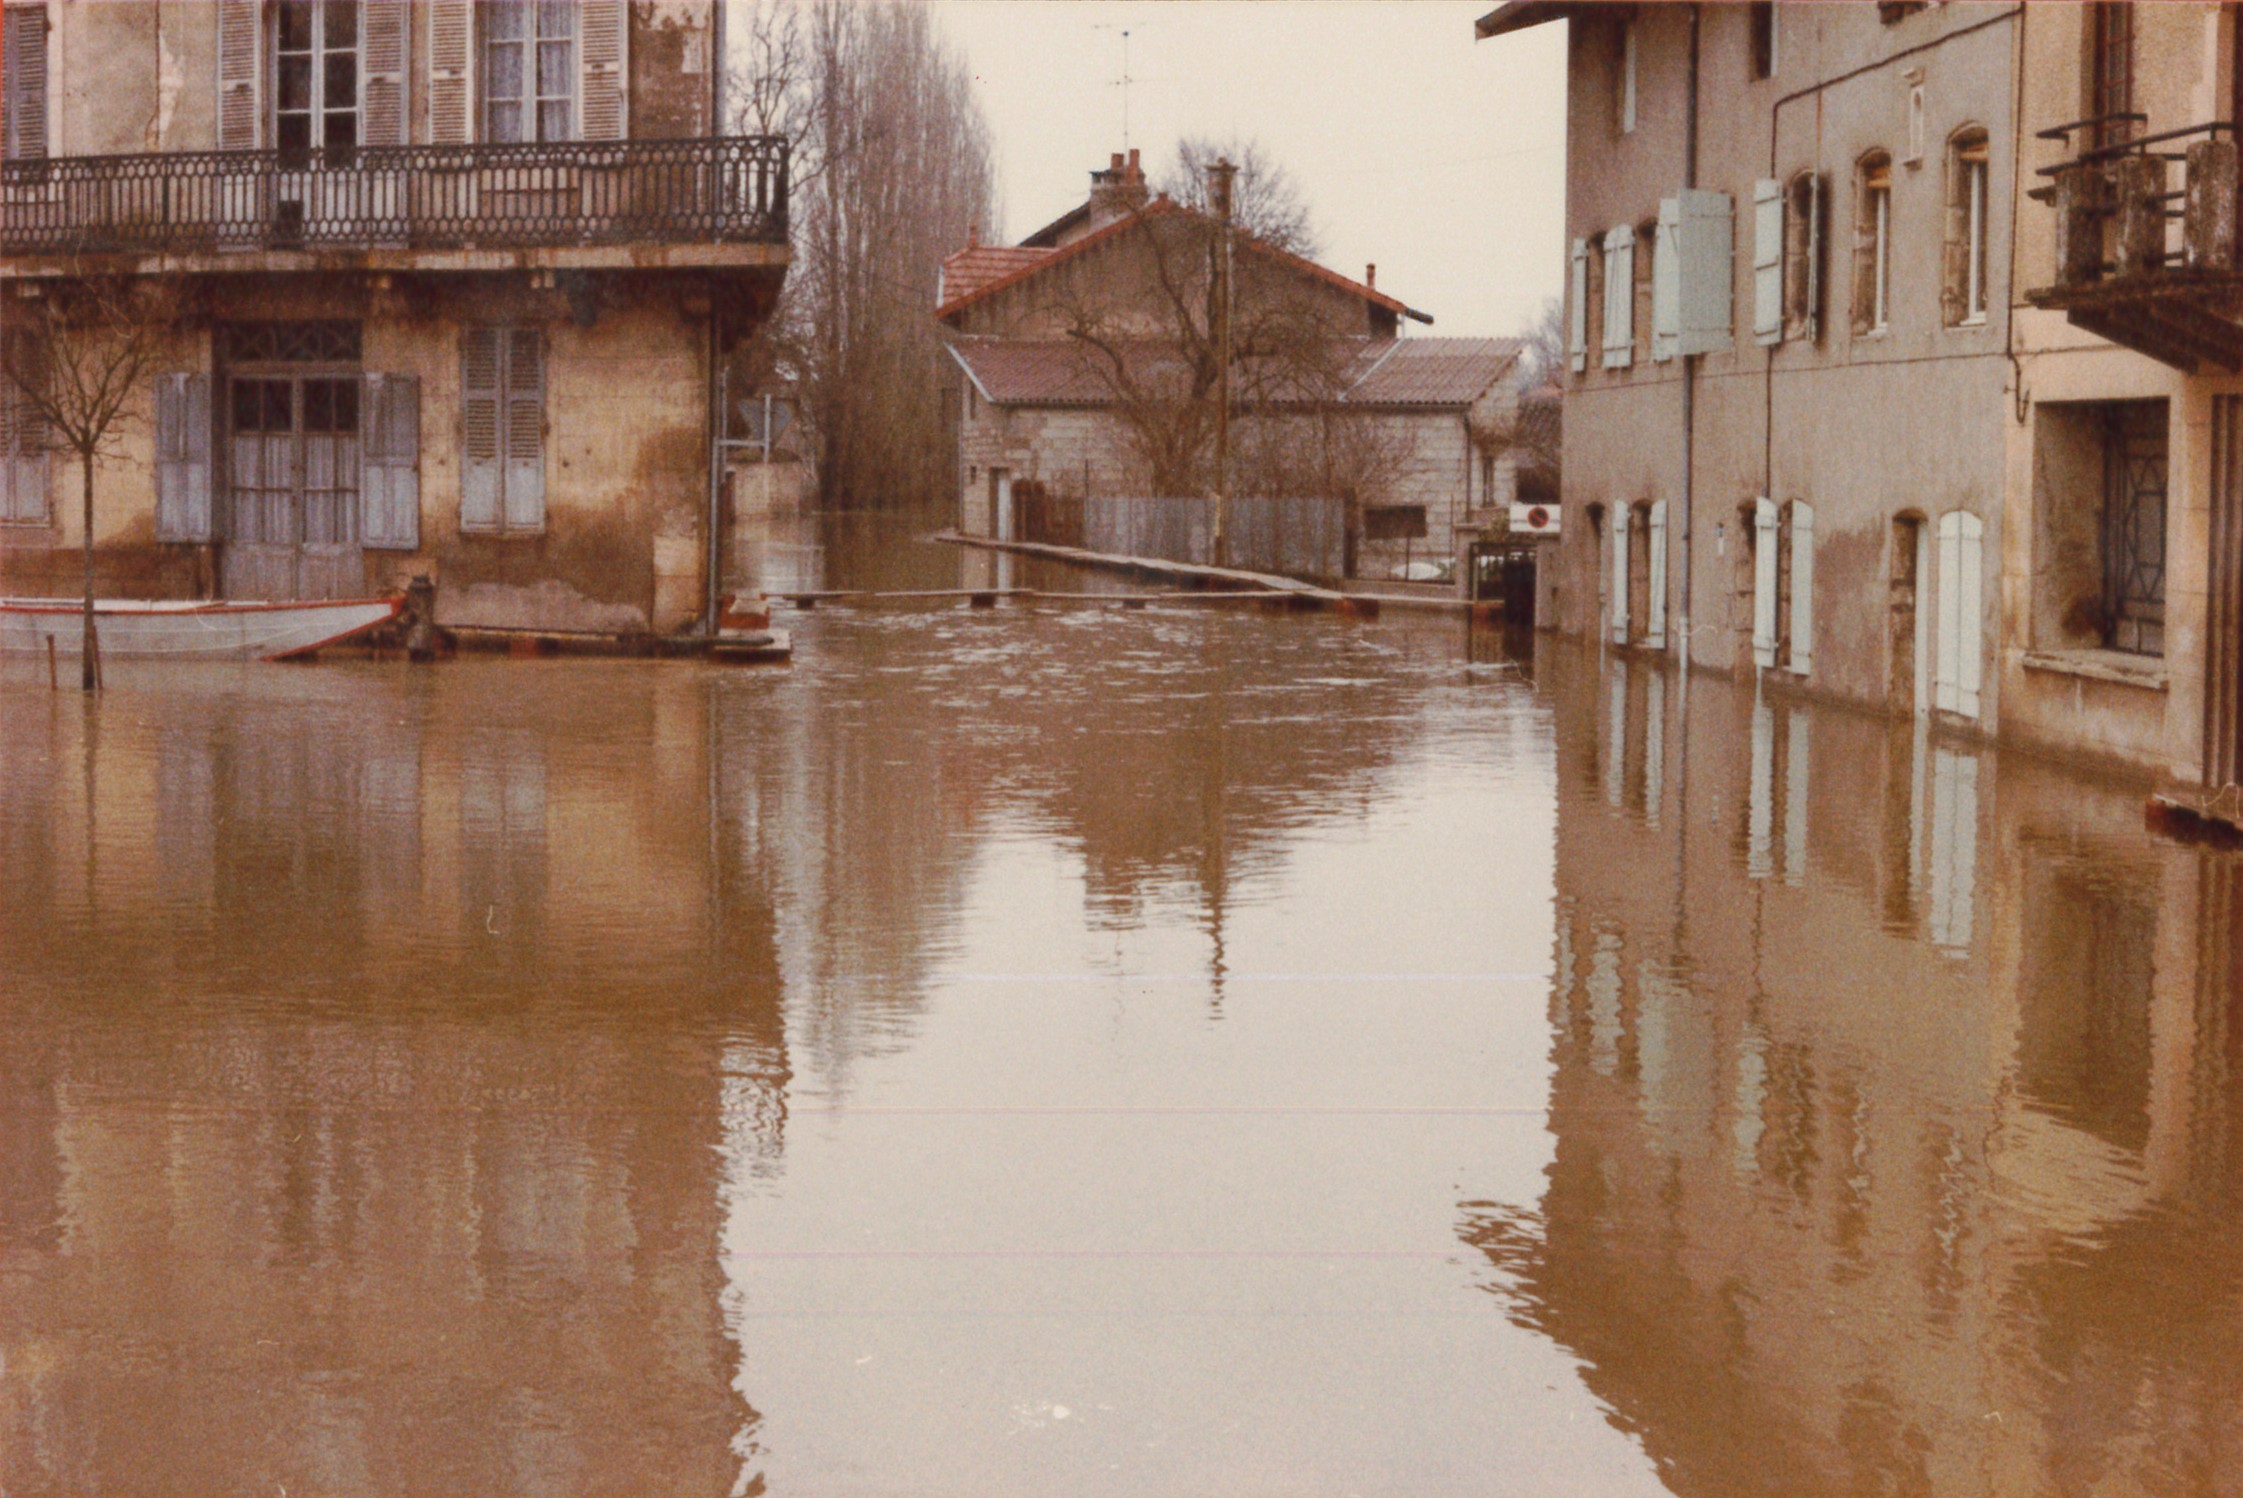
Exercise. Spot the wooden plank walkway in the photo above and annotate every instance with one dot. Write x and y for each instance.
(1239, 584)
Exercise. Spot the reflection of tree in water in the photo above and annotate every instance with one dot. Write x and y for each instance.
(1907, 1176)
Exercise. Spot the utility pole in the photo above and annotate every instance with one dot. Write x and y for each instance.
(1220, 179)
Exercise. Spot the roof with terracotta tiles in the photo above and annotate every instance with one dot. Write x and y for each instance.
(1387, 373)
(956, 297)
(979, 265)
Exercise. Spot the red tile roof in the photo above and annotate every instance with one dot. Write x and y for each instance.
(956, 298)
(978, 266)
(1388, 373)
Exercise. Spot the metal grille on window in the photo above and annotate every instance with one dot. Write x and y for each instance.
(315, 75)
(290, 342)
(529, 70)
(2134, 454)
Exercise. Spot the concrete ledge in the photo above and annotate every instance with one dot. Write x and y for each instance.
(2114, 666)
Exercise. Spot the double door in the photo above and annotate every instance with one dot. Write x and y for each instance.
(293, 465)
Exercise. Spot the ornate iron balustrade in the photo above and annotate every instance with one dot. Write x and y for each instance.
(2142, 262)
(695, 191)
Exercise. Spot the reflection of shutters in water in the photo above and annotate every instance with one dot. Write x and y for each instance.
(502, 413)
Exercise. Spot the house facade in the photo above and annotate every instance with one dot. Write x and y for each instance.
(1924, 416)
(453, 286)
(1072, 343)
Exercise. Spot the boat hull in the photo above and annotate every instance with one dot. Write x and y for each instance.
(188, 631)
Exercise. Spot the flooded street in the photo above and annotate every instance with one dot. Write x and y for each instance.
(1066, 1049)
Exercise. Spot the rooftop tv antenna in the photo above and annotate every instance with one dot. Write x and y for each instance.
(1125, 79)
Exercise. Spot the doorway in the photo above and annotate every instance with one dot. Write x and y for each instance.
(292, 451)
(1907, 684)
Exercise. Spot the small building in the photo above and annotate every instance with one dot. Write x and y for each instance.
(1079, 346)
(454, 283)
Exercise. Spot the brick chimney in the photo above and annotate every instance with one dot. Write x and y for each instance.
(1371, 275)
(1117, 189)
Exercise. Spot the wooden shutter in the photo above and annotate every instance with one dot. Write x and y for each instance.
(1970, 583)
(603, 40)
(1655, 622)
(1764, 543)
(1619, 297)
(23, 89)
(1815, 210)
(1802, 587)
(1767, 261)
(451, 72)
(386, 28)
(238, 72)
(1705, 245)
(1577, 316)
(389, 485)
(1618, 520)
(23, 458)
(183, 509)
(525, 429)
(1666, 283)
(482, 476)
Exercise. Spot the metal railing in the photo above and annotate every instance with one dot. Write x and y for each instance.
(2117, 217)
(696, 191)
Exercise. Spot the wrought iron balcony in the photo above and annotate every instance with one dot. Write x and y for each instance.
(726, 190)
(2144, 263)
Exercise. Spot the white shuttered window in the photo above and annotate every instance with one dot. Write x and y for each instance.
(1619, 297)
(1577, 314)
(502, 431)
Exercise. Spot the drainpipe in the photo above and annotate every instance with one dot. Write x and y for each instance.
(1689, 378)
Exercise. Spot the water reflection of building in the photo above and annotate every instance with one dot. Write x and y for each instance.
(1896, 1096)
(376, 1055)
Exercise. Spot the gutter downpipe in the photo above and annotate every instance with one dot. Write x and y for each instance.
(1689, 378)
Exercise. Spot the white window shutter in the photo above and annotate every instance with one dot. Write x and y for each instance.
(1666, 283)
(389, 486)
(1706, 245)
(183, 458)
(386, 27)
(1619, 297)
(1763, 583)
(1802, 587)
(1618, 520)
(525, 429)
(1946, 692)
(1970, 663)
(604, 30)
(1655, 610)
(1577, 316)
(451, 71)
(239, 27)
(481, 474)
(1767, 261)
(23, 82)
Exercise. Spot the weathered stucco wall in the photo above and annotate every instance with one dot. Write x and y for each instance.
(670, 50)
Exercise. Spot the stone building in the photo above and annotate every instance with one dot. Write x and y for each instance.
(452, 281)
(1058, 335)
(1921, 412)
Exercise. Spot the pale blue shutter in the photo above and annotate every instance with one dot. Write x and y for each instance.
(1619, 297)
(1577, 316)
(183, 509)
(1706, 248)
(525, 430)
(389, 474)
(481, 474)
(1655, 624)
(1802, 587)
(1763, 583)
(1666, 283)
(1767, 261)
(1619, 523)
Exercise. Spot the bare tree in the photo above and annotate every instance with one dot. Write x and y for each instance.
(1150, 326)
(1265, 200)
(1543, 359)
(78, 355)
(892, 168)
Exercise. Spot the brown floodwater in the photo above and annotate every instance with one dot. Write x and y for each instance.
(1066, 1049)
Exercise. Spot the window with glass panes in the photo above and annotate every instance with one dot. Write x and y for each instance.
(529, 70)
(315, 68)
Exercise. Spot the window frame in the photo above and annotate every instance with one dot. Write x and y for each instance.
(1764, 29)
(1873, 245)
(531, 102)
(1626, 102)
(317, 112)
(1975, 163)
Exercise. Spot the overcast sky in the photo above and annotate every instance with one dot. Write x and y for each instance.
(1437, 157)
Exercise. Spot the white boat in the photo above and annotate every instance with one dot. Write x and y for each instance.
(189, 630)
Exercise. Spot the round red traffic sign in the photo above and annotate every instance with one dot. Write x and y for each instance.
(1538, 517)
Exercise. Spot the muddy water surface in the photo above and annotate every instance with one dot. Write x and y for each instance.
(1061, 1049)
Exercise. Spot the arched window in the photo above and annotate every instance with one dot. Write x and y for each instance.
(1873, 234)
(1962, 297)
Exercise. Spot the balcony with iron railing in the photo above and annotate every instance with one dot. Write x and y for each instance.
(2140, 261)
(707, 201)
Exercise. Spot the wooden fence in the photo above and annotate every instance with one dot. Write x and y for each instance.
(1293, 537)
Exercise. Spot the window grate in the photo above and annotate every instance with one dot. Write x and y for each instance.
(2134, 484)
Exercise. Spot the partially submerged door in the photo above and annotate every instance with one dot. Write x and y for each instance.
(292, 454)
